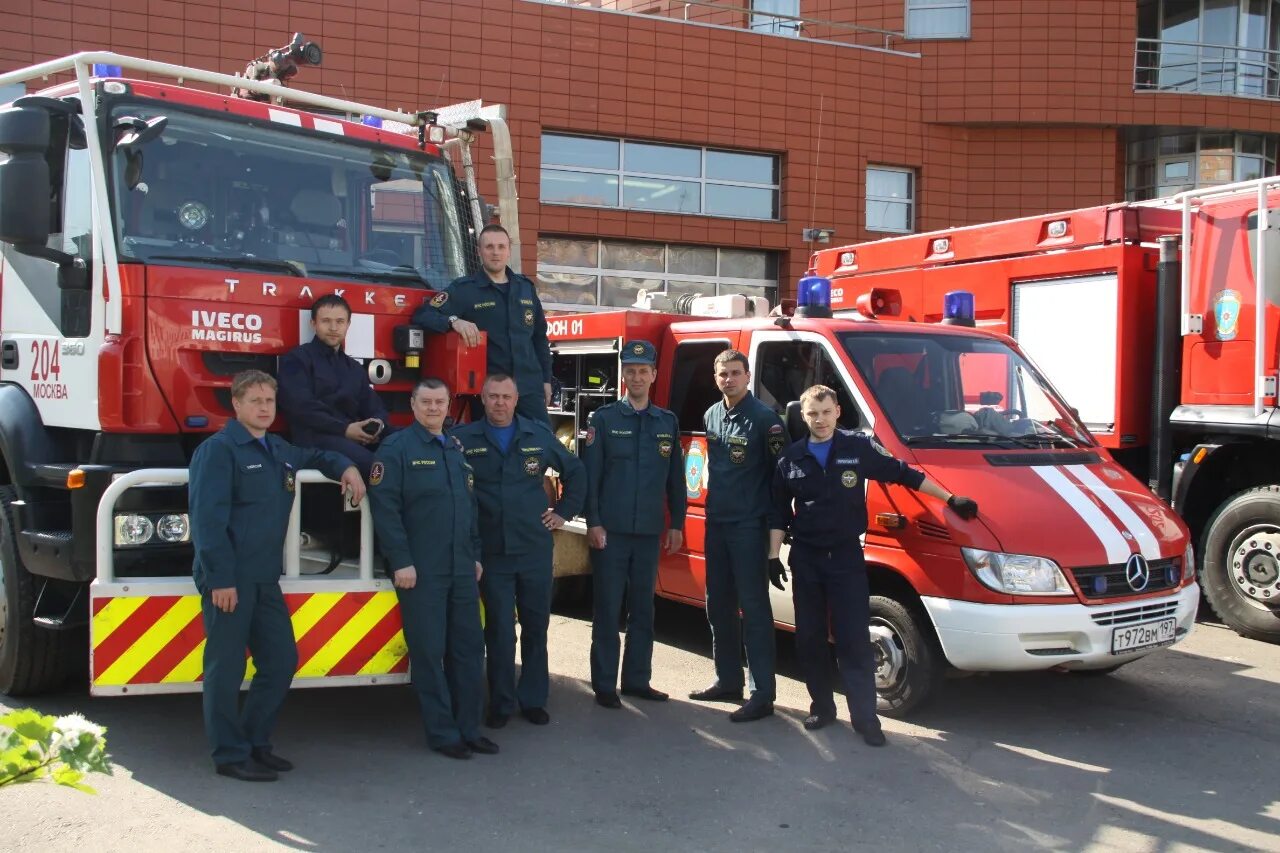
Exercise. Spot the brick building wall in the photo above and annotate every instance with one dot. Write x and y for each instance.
(1020, 118)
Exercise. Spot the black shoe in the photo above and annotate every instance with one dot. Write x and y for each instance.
(608, 700)
(872, 734)
(457, 750)
(756, 709)
(496, 721)
(247, 771)
(646, 693)
(537, 716)
(271, 761)
(813, 722)
(483, 745)
(716, 693)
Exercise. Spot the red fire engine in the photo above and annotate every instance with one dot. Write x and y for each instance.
(1146, 317)
(1072, 563)
(158, 239)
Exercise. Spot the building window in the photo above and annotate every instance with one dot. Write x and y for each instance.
(635, 175)
(937, 19)
(1214, 47)
(1162, 161)
(763, 20)
(577, 271)
(891, 199)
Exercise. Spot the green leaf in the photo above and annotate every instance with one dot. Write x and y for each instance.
(29, 724)
(67, 776)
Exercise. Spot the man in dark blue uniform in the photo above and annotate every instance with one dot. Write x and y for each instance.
(820, 496)
(635, 476)
(325, 394)
(241, 493)
(510, 454)
(505, 305)
(425, 515)
(744, 438)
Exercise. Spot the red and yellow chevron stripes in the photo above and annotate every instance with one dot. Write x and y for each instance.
(159, 639)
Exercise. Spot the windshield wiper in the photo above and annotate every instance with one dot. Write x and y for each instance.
(959, 438)
(239, 262)
(1041, 439)
(374, 275)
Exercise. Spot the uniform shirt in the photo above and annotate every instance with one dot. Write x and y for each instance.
(633, 461)
(510, 314)
(509, 486)
(240, 496)
(424, 503)
(826, 507)
(742, 444)
(323, 390)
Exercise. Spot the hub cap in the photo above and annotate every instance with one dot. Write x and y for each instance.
(1255, 564)
(891, 660)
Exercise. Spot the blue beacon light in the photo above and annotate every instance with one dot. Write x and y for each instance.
(371, 121)
(813, 295)
(957, 308)
(102, 70)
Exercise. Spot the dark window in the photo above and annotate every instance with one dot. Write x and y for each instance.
(784, 369)
(693, 383)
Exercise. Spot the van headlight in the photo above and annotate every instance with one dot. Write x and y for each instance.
(1016, 574)
(1188, 563)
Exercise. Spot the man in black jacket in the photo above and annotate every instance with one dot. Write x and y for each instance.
(820, 497)
(325, 394)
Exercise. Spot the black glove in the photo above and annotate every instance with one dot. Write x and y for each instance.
(777, 573)
(966, 508)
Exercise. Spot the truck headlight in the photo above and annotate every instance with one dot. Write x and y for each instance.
(134, 529)
(1016, 574)
(1188, 563)
(174, 528)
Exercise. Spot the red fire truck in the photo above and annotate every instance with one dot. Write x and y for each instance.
(161, 232)
(1146, 317)
(1072, 563)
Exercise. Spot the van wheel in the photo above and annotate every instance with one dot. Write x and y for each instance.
(1240, 563)
(909, 663)
(32, 659)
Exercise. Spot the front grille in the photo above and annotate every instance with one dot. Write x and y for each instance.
(1131, 615)
(1099, 582)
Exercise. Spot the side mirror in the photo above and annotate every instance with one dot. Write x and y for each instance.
(990, 398)
(135, 132)
(24, 177)
(796, 427)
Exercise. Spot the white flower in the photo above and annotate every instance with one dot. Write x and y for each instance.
(71, 728)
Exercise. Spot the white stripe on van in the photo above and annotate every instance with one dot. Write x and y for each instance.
(1112, 542)
(1147, 542)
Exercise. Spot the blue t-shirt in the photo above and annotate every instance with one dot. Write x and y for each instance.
(267, 447)
(821, 450)
(501, 435)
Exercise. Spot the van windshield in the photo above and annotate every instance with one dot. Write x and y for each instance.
(960, 391)
(236, 194)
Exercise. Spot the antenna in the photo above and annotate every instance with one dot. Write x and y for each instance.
(813, 234)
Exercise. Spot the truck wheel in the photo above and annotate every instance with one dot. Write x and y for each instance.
(1240, 563)
(32, 659)
(909, 663)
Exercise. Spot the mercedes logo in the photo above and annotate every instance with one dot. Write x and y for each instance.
(1137, 573)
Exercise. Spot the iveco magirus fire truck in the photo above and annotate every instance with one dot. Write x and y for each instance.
(1072, 564)
(1158, 321)
(164, 228)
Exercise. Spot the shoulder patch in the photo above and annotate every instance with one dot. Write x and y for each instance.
(776, 429)
(439, 300)
(375, 473)
(591, 436)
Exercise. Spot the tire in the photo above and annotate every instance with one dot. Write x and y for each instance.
(1235, 557)
(909, 662)
(32, 659)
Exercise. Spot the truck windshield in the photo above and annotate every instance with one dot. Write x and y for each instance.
(958, 391)
(241, 195)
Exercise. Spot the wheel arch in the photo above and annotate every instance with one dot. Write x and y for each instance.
(23, 437)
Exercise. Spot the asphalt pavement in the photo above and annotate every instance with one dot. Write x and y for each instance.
(1177, 752)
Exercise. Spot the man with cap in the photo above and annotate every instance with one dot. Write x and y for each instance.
(505, 305)
(744, 438)
(510, 455)
(240, 495)
(820, 497)
(425, 515)
(635, 480)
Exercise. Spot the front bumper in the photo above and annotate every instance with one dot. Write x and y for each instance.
(1010, 637)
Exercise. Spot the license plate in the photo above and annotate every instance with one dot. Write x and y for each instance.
(1144, 635)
